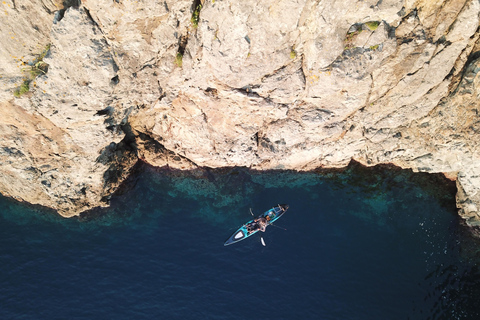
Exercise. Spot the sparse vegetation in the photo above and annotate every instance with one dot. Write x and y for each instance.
(354, 31)
(35, 69)
(179, 59)
(44, 53)
(293, 53)
(372, 25)
(352, 35)
(24, 88)
(196, 16)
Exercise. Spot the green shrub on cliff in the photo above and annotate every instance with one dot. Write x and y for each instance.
(24, 88)
(44, 53)
(293, 53)
(179, 59)
(36, 68)
(372, 25)
(350, 37)
(196, 16)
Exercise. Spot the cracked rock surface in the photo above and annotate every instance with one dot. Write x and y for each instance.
(263, 84)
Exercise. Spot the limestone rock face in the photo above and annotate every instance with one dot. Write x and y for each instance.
(263, 84)
(25, 32)
(62, 143)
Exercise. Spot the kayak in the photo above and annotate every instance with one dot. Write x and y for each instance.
(255, 225)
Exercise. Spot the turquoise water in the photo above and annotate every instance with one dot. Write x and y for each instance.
(358, 244)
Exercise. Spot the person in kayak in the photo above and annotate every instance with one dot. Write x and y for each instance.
(270, 216)
(262, 223)
(257, 224)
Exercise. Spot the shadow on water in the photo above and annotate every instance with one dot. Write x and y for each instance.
(361, 243)
(220, 195)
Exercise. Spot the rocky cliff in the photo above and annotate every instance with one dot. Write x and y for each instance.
(88, 87)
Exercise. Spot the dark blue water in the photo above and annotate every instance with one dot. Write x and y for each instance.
(360, 244)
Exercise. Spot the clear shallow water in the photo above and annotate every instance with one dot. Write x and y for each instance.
(361, 244)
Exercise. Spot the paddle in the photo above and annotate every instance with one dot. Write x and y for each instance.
(271, 224)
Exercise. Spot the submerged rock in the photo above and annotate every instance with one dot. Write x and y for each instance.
(266, 85)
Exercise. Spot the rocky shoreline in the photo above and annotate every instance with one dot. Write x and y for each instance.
(90, 87)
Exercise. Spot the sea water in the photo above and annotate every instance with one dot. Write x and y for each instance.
(357, 244)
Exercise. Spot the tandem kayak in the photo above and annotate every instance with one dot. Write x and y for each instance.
(257, 224)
